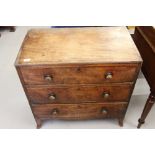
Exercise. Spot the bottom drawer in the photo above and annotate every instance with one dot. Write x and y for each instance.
(80, 111)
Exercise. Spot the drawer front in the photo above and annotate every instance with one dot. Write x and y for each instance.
(82, 111)
(79, 93)
(78, 75)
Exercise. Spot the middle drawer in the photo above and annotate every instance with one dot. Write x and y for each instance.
(79, 93)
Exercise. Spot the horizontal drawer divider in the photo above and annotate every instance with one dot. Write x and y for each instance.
(82, 85)
(82, 103)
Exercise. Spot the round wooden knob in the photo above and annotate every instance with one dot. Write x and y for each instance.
(48, 78)
(78, 69)
(104, 111)
(106, 94)
(54, 112)
(52, 97)
(108, 75)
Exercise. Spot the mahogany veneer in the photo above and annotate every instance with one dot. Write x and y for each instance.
(78, 73)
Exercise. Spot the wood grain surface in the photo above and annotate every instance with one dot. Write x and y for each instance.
(79, 74)
(82, 111)
(78, 45)
(79, 93)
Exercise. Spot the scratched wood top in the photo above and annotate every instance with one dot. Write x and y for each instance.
(78, 45)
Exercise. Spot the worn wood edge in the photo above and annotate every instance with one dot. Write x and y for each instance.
(45, 105)
(81, 103)
(25, 90)
(133, 86)
(107, 64)
(87, 63)
(44, 118)
(16, 63)
(114, 84)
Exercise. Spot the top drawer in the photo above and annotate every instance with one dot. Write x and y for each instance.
(78, 74)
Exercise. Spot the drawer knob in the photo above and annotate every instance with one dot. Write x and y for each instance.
(108, 75)
(78, 69)
(104, 111)
(48, 78)
(106, 94)
(52, 97)
(54, 112)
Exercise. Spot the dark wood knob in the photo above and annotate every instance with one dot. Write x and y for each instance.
(104, 111)
(54, 112)
(52, 97)
(106, 94)
(78, 69)
(48, 78)
(108, 75)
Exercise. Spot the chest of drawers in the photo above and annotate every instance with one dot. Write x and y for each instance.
(78, 73)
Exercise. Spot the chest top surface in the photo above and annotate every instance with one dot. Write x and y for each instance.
(78, 45)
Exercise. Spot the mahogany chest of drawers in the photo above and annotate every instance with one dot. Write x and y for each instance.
(78, 73)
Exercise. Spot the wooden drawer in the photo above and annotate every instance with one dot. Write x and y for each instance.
(82, 111)
(79, 93)
(79, 74)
